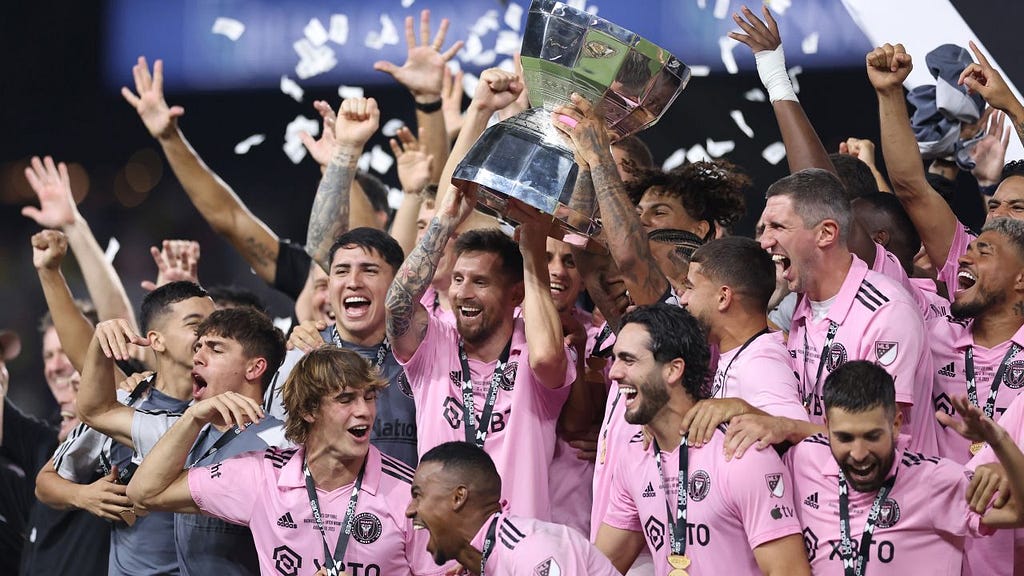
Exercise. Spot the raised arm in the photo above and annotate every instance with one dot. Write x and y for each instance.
(423, 75)
(161, 481)
(623, 230)
(407, 319)
(357, 120)
(73, 329)
(97, 395)
(218, 204)
(544, 338)
(57, 210)
(984, 79)
(176, 260)
(888, 66)
(864, 150)
(414, 174)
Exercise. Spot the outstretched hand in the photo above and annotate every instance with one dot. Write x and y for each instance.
(974, 425)
(758, 36)
(412, 159)
(321, 148)
(148, 99)
(178, 260)
(989, 153)
(423, 71)
(52, 186)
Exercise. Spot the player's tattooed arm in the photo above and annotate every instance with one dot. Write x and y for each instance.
(407, 319)
(328, 218)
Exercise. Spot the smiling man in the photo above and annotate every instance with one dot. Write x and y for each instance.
(845, 311)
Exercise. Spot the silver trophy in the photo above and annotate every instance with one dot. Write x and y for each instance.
(523, 167)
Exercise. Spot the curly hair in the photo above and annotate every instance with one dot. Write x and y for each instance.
(712, 191)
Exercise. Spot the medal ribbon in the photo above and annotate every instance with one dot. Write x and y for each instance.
(676, 525)
(972, 386)
(489, 543)
(333, 564)
(856, 566)
(829, 338)
(473, 435)
(725, 375)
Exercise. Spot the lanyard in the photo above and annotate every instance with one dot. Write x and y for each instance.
(221, 442)
(437, 302)
(856, 566)
(677, 527)
(601, 337)
(829, 338)
(725, 375)
(334, 564)
(382, 350)
(972, 386)
(489, 543)
(139, 390)
(473, 435)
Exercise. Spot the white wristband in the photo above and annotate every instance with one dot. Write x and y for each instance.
(771, 67)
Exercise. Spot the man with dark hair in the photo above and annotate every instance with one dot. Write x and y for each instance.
(334, 482)
(855, 175)
(729, 284)
(363, 264)
(234, 350)
(456, 497)
(492, 379)
(706, 514)
(377, 193)
(233, 296)
(845, 311)
(631, 154)
(866, 499)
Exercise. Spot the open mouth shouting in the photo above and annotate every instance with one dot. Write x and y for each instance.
(629, 394)
(965, 280)
(356, 306)
(470, 311)
(361, 433)
(198, 386)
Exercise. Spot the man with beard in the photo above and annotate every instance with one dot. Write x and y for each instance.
(866, 500)
(456, 497)
(492, 379)
(694, 509)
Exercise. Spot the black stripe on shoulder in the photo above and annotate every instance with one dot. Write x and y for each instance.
(869, 287)
(867, 303)
(509, 545)
(399, 467)
(817, 439)
(396, 475)
(917, 458)
(279, 457)
(638, 437)
(512, 530)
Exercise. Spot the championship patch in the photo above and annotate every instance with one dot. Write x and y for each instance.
(888, 513)
(836, 356)
(366, 528)
(286, 561)
(508, 376)
(547, 568)
(700, 485)
(775, 484)
(1014, 375)
(886, 352)
(655, 531)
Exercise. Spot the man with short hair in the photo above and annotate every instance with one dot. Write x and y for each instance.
(456, 497)
(845, 311)
(706, 513)
(866, 500)
(334, 483)
(491, 379)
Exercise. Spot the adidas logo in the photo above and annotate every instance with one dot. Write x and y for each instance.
(649, 491)
(948, 370)
(286, 521)
(812, 501)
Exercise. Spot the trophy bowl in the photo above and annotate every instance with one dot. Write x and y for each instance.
(522, 167)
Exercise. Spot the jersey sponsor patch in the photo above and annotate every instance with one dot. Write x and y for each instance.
(775, 484)
(949, 371)
(655, 531)
(286, 561)
(836, 356)
(547, 568)
(812, 501)
(286, 521)
(888, 513)
(1014, 376)
(366, 528)
(810, 544)
(886, 351)
(700, 485)
(649, 491)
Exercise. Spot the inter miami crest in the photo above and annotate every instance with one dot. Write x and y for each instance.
(886, 352)
(836, 356)
(366, 528)
(1014, 376)
(775, 484)
(508, 376)
(700, 485)
(888, 513)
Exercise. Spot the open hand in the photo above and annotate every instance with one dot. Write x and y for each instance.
(148, 99)
(52, 186)
(423, 71)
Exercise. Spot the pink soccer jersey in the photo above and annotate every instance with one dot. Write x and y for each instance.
(949, 339)
(733, 506)
(266, 491)
(879, 322)
(526, 546)
(962, 238)
(762, 375)
(431, 302)
(521, 436)
(921, 525)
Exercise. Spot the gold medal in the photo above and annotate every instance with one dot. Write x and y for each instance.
(976, 447)
(679, 564)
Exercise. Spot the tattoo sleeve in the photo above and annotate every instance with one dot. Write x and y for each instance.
(329, 216)
(583, 199)
(413, 278)
(627, 240)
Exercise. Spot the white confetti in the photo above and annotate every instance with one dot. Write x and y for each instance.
(485, 23)
(737, 117)
(315, 32)
(792, 77)
(779, 6)
(469, 82)
(674, 160)
(774, 153)
(700, 70)
(755, 95)
(508, 65)
(592, 10)
(407, 3)
(721, 9)
(228, 27)
(395, 197)
(364, 162)
(294, 150)
(514, 16)
(454, 66)
(387, 36)
(577, 4)
(702, 4)
(485, 58)
(471, 49)
(810, 44)
(301, 124)
(339, 29)
(113, 246)
(313, 60)
(391, 127)
(508, 42)
(244, 146)
(719, 149)
(291, 88)
(697, 154)
(347, 92)
(726, 44)
(380, 160)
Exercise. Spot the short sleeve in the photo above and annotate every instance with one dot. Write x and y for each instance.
(77, 458)
(229, 489)
(899, 326)
(428, 351)
(777, 391)
(621, 511)
(760, 493)
(949, 508)
(292, 268)
(148, 427)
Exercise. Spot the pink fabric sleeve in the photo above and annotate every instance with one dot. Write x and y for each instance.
(621, 511)
(765, 517)
(228, 490)
(779, 393)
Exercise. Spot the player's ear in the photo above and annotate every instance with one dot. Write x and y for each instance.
(156, 341)
(459, 497)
